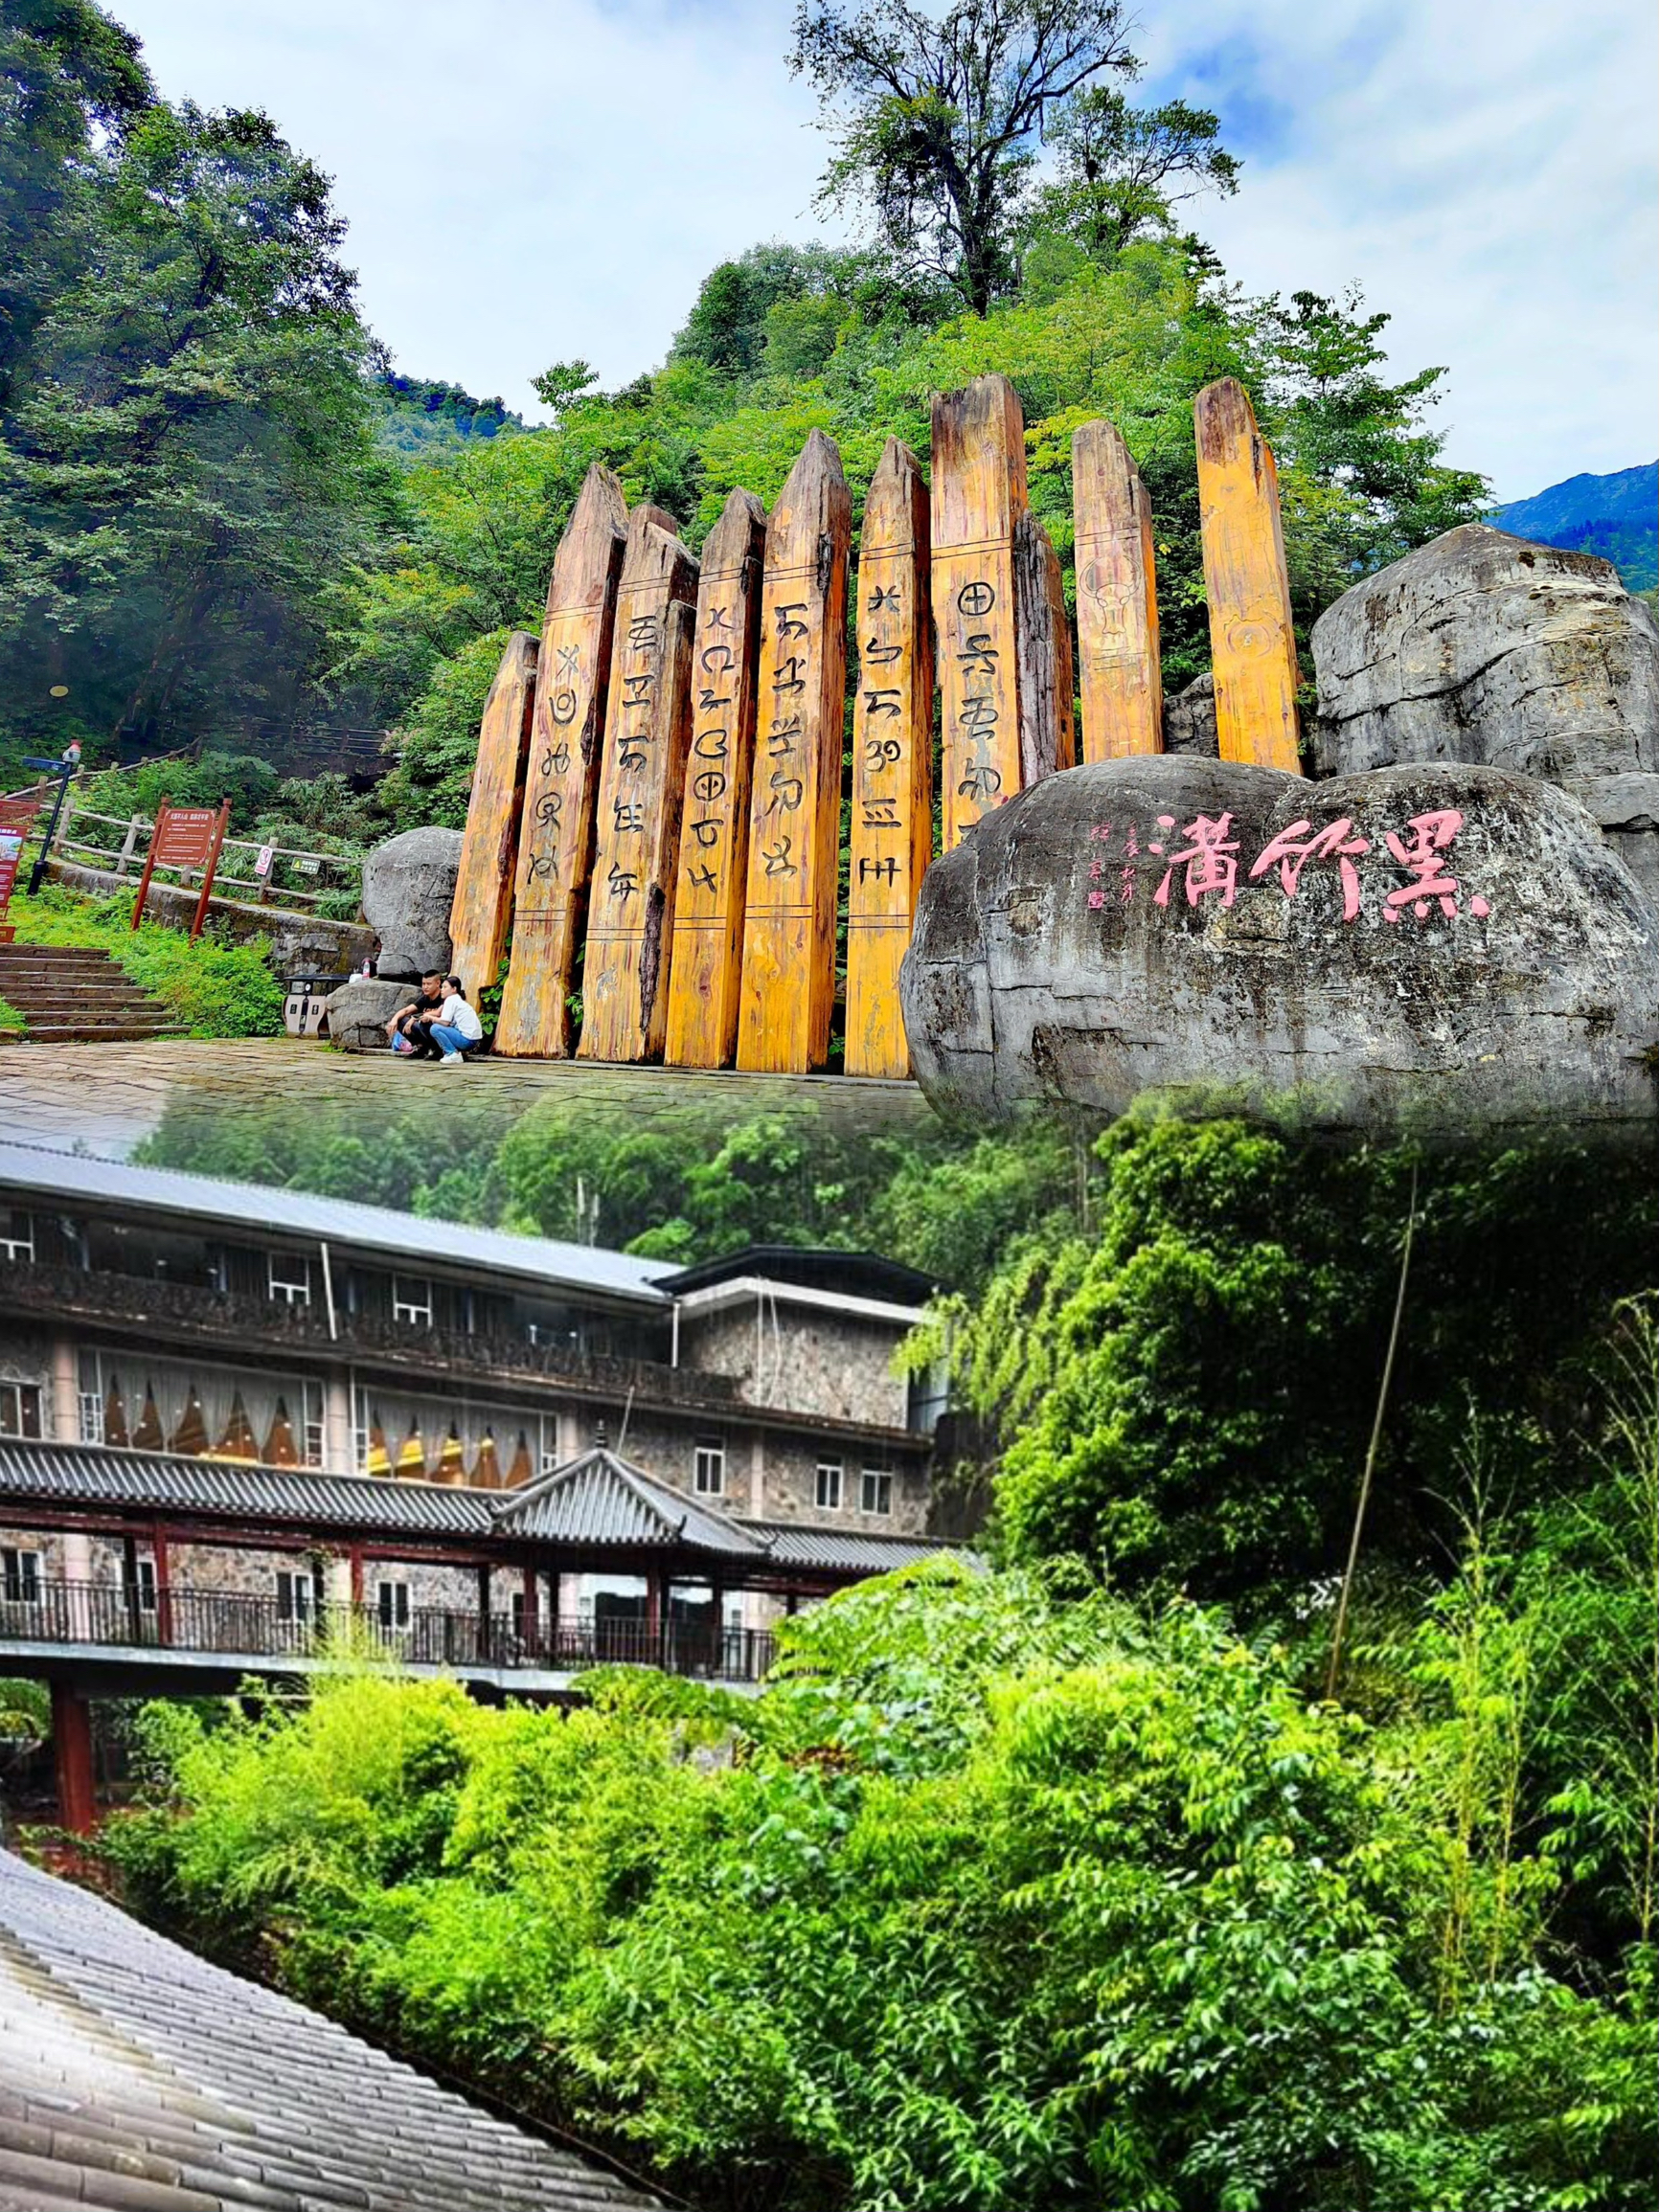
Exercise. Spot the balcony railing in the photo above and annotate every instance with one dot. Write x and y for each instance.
(231, 1624)
(98, 1293)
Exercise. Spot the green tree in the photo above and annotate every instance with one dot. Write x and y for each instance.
(1123, 170)
(936, 117)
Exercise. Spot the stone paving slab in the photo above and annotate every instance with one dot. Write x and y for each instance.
(106, 1097)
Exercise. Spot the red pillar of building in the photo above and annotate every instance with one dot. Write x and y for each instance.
(72, 1752)
(163, 1586)
(530, 1609)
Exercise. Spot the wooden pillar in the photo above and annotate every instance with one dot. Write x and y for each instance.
(892, 760)
(706, 971)
(1252, 643)
(483, 907)
(529, 1624)
(129, 1588)
(1123, 683)
(556, 831)
(162, 1555)
(624, 998)
(485, 1652)
(789, 982)
(72, 1757)
(1043, 639)
(354, 1558)
(979, 489)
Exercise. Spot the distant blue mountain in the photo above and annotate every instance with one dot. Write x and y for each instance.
(1616, 516)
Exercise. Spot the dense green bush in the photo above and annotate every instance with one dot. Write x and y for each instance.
(1000, 1895)
(212, 987)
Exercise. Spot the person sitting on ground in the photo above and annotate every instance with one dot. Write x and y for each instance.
(457, 1029)
(413, 1023)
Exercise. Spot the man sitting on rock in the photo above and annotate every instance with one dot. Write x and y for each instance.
(409, 1031)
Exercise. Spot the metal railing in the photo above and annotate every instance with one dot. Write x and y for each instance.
(236, 1624)
(121, 851)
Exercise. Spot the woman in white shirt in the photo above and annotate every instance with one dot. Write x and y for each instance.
(457, 1025)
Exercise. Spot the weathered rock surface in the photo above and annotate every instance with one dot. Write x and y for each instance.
(1223, 932)
(408, 889)
(1190, 720)
(359, 1013)
(1484, 648)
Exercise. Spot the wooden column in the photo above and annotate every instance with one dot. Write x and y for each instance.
(529, 1610)
(624, 998)
(892, 760)
(706, 970)
(979, 489)
(483, 908)
(162, 1555)
(72, 1758)
(789, 982)
(1042, 629)
(1123, 684)
(556, 834)
(1252, 643)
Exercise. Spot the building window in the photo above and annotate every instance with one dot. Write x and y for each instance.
(392, 1602)
(875, 1491)
(16, 1235)
(143, 1586)
(708, 1467)
(294, 1594)
(20, 1577)
(412, 1300)
(89, 1397)
(291, 1278)
(826, 1490)
(19, 1410)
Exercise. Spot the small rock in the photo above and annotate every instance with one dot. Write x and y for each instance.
(408, 889)
(358, 1012)
(1068, 951)
(1190, 719)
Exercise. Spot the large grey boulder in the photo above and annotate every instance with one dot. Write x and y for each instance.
(1486, 648)
(1190, 719)
(1080, 947)
(408, 889)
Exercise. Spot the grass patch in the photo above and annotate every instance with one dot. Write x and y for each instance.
(212, 987)
(10, 1017)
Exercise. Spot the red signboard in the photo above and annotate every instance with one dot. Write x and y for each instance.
(19, 813)
(185, 837)
(11, 854)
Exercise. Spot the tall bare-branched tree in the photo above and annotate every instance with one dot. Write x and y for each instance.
(935, 120)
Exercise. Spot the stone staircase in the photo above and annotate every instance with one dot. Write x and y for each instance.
(71, 996)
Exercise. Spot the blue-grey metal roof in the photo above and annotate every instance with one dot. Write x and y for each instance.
(136, 2074)
(40, 1172)
(602, 1499)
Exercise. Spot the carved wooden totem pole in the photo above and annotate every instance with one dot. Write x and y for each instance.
(706, 970)
(1251, 643)
(555, 837)
(892, 759)
(1043, 639)
(625, 978)
(979, 491)
(1122, 686)
(482, 911)
(788, 978)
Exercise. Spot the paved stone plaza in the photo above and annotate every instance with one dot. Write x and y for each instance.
(106, 1097)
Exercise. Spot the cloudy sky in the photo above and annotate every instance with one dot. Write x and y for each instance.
(531, 180)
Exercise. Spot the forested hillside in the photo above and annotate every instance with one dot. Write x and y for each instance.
(225, 519)
(1615, 517)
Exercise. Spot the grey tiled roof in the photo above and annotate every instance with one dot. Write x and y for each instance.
(134, 2077)
(37, 1172)
(600, 1499)
(100, 1474)
(849, 1550)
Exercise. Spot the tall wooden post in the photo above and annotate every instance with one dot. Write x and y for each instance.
(1123, 683)
(555, 835)
(788, 983)
(72, 1757)
(1252, 643)
(706, 970)
(892, 760)
(979, 489)
(624, 998)
(483, 908)
(1048, 738)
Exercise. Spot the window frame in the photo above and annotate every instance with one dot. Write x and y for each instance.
(17, 1235)
(289, 1293)
(709, 1453)
(875, 1482)
(25, 1395)
(836, 1467)
(21, 1580)
(393, 1604)
(412, 1313)
(296, 1597)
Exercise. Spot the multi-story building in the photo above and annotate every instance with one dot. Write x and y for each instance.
(147, 1312)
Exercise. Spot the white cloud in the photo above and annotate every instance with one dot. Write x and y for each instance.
(528, 180)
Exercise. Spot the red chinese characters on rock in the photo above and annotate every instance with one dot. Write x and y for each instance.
(1210, 858)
